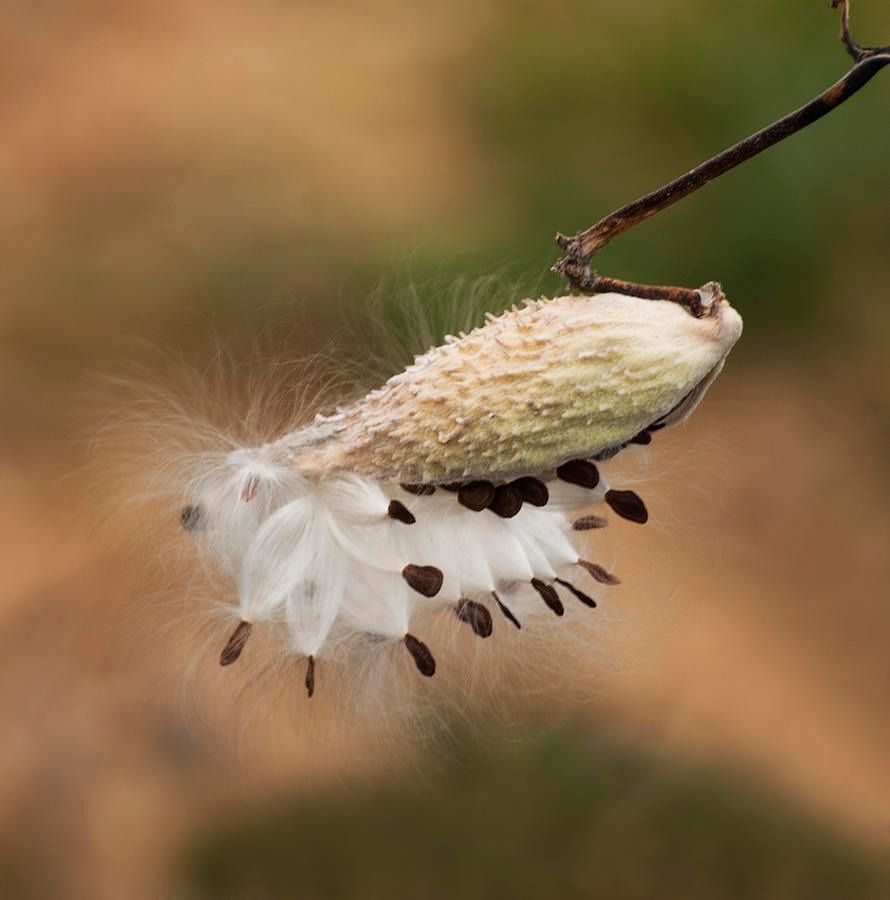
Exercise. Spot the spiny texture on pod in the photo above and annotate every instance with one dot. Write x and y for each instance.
(466, 483)
(557, 380)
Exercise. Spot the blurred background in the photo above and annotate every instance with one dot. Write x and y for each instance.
(170, 172)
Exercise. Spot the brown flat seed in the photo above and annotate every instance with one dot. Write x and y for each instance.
(507, 501)
(587, 601)
(251, 488)
(476, 495)
(643, 438)
(599, 573)
(400, 512)
(656, 427)
(426, 580)
(453, 486)
(588, 523)
(581, 472)
(423, 659)
(505, 611)
(628, 505)
(549, 596)
(419, 490)
(310, 676)
(532, 490)
(235, 645)
(476, 616)
(192, 518)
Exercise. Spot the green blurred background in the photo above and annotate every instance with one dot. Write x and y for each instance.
(175, 176)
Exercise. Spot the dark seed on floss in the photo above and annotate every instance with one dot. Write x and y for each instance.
(453, 486)
(504, 610)
(581, 472)
(589, 523)
(400, 512)
(599, 573)
(532, 490)
(656, 427)
(507, 501)
(628, 505)
(251, 488)
(419, 490)
(549, 596)
(192, 518)
(310, 676)
(643, 438)
(423, 659)
(476, 616)
(584, 598)
(476, 495)
(426, 580)
(235, 645)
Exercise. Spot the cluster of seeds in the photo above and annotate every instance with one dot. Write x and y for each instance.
(506, 501)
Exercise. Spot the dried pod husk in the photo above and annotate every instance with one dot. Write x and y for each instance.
(557, 380)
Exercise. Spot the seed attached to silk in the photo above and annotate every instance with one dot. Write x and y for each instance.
(599, 573)
(589, 523)
(584, 598)
(579, 471)
(532, 490)
(426, 580)
(476, 616)
(507, 501)
(628, 505)
(549, 596)
(505, 610)
(419, 490)
(476, 495)
(192, 518)
(421, 655)
(310, 676)
(235, 644)
(400, 512)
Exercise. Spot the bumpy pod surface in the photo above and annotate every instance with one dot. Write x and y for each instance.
(561, 379)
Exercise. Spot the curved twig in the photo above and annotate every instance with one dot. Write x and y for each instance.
(581, 247)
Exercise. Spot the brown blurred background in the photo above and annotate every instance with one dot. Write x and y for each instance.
(168, 172)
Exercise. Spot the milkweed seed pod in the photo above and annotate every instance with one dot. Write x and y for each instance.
(467, 481)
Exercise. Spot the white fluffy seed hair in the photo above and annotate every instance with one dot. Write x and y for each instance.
(465, 490)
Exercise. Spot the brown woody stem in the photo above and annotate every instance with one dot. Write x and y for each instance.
(581, 247)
